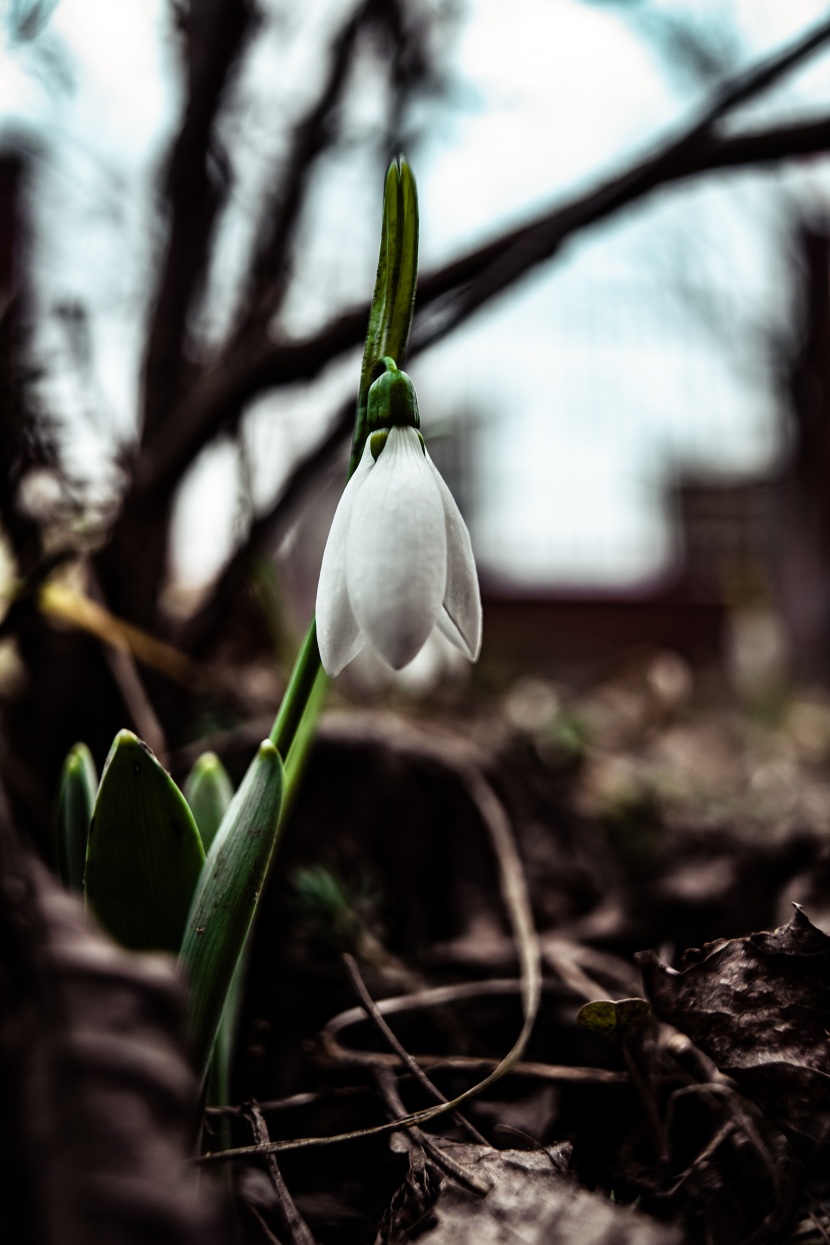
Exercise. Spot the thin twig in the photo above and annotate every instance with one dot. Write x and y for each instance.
(454, 754)
(125, 673)
(557, 957)
(470, 1064)
(386, 1084)
(293, 1102)
(292, 1221)
(558, 1073)
(258, 1218)
(136, 701)
(819, 1226)
(373, 1012)
(741, 1118)
(723, 1133)
(656, 1125)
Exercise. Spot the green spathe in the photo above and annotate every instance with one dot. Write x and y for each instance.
(390, 316)
(144, 853)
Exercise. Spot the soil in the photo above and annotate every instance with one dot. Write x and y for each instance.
(654, 812)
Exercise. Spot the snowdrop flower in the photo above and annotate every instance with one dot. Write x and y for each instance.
(398, 561)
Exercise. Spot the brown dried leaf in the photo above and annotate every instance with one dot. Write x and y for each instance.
(411, 1209)
(103, 1102)
(531, 1200)
(760, 1008)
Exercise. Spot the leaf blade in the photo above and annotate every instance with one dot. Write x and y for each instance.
(73, 814)
(227, 895)
(144, 854)
(208, 792)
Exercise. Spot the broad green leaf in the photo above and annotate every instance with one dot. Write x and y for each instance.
(613, 1019)
(144, 854)
(227, 895)
(208, 792)
(76, 798)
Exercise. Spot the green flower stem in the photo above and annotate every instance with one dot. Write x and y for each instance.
(307, 667)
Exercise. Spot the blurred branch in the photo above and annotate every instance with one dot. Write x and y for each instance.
(763, 146)
(263, 532)
(269, 273)
(472, 280)
(131, 567)
(712, 152)
(22, 436)
(214, 32)
(488, 272)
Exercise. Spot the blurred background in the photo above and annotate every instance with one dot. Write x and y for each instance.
(621, 348)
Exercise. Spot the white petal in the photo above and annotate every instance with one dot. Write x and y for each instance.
(396, 558)
(338, 634)
(448, 628)
(462, 598)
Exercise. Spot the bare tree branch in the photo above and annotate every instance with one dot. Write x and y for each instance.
(768, 146)
(214, 34)
(470, 281)
(269, 275)
(507, 261)
(761, 147)
(218, 397)
(206, 623)
(19, 447)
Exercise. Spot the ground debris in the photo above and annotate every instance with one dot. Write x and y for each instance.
(760, 1009)
(101, 1094)
(532, 1199)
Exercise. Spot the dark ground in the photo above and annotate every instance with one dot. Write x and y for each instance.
(654, 811)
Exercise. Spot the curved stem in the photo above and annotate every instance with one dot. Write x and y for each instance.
(297, 695)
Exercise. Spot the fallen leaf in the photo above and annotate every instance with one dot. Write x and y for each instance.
(532, 1200)
(760, 1008)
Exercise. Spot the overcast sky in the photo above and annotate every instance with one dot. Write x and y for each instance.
(640, 353)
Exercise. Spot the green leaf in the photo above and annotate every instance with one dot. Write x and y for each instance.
(227, 895)
(76, 798)
(144, 854)
(218, 1083)
(208, 792)
(618, 1020)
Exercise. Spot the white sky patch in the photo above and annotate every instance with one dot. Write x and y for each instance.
(560, 89)
(123, 102)
(637, 354)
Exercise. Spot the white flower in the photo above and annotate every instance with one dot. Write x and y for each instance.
(398, 562)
